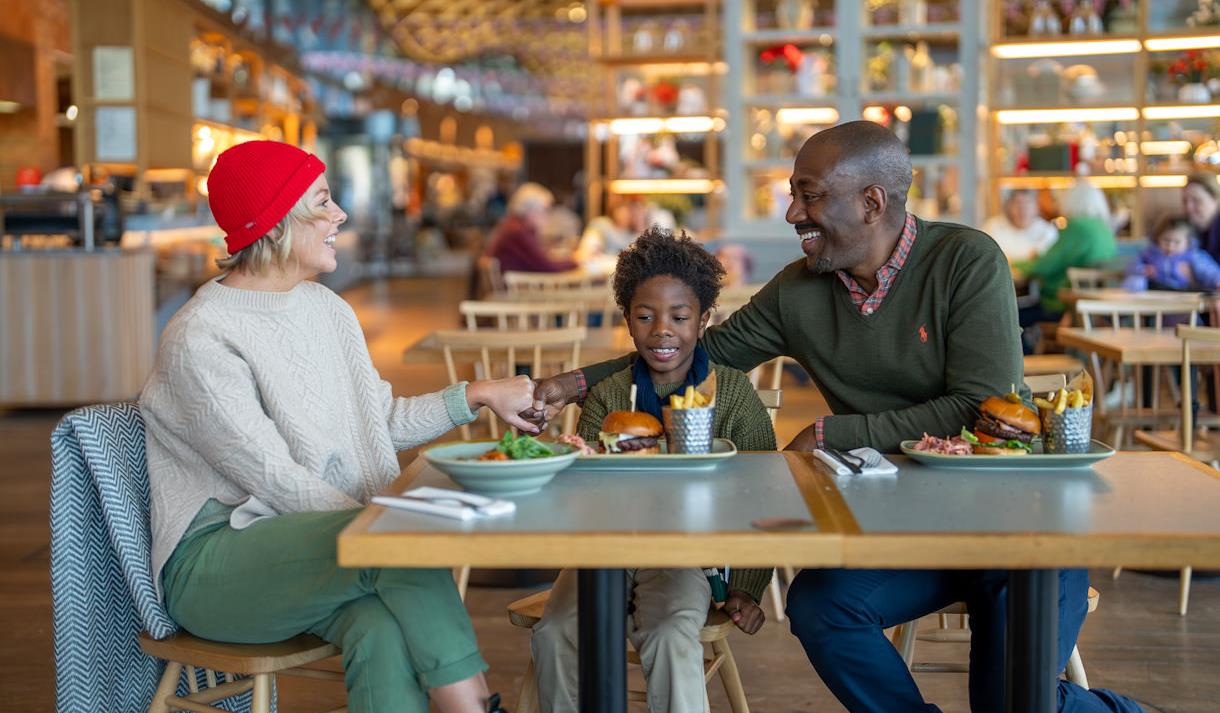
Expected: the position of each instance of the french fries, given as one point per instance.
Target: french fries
(1061, 400)
(702, 396)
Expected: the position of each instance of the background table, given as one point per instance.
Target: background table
(1139, 509)
(599, 345)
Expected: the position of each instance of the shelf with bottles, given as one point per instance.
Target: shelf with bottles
(930, 129)
(910, 15)
(801, 68)
(912, 68)
(624, 32)
(776, 135)
(1066, 19)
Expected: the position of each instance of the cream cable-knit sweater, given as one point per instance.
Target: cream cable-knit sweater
(269, 401)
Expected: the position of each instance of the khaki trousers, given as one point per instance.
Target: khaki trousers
(669, 608)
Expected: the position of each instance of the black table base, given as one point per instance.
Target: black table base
(1030, 675)
(602, 640)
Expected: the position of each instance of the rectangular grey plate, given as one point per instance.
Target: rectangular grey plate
(722, 448)
(1098, 451)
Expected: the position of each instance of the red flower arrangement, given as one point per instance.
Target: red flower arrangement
(1191, 67)
(789, 55)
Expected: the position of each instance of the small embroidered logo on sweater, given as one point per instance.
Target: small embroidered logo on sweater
(923, 333)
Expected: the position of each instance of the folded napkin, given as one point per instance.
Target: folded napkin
(454, 504)
(862, 456)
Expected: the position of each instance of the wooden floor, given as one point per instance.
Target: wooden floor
(1134, 643)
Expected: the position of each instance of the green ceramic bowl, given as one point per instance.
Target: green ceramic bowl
(497, 477)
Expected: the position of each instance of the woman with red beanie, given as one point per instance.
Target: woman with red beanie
(267, 430)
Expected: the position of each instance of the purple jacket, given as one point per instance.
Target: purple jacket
(516, 245)
(1191, 270)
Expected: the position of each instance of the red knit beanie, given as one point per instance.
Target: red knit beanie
(253, 186)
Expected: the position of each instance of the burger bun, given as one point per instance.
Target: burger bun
(633, 423)
(1016, 415)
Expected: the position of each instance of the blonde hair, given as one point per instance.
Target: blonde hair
(274, 248)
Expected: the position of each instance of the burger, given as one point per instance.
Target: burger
(1004, 428)
(630, 432)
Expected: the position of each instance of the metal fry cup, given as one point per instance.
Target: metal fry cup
(688, 430)
(1067, 432)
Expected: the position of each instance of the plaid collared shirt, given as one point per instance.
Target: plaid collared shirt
(885, 276)
(866, 303)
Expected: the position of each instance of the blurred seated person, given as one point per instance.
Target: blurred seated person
(516, 240)
(1087, 240)
(1173, 261)
(1019, 230)
(608, 235)
(561, 227)
(1201, 205)
(737, 264)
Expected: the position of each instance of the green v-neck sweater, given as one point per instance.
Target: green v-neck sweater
(942, 340)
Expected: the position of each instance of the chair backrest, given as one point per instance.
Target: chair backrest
(544, 351)
(594, 309)
(1083, 278)
(518, 282)
(1191, 334)
(1042, 383)
(102, 589)
(1187, 308)
(731, 300)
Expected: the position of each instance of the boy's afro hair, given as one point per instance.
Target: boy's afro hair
(658, 252)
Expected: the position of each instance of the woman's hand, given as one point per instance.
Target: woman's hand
(507, 397)
(744, 612)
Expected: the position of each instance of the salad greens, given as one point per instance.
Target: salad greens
(523, 447)
(1012, 443)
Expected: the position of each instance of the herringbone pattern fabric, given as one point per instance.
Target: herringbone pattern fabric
(101, 585)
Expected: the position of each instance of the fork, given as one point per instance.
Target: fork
(851, 461)
(871, 458)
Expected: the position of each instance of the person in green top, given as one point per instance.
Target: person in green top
(667, 288)
(1087, 240)
(905, 326)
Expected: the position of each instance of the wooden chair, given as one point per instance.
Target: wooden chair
(490, 281)
(1042, 383)
(715, 632)
(1185, 439)
(558, 311)
(1134, 313)
(905, 635)
(259, 662)
(1088, 278)
(1039, 364)
(555, 348)
(520, 282)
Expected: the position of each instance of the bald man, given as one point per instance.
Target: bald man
(906, 326)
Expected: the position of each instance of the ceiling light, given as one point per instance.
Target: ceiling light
(1057, 116)
(1030, 50)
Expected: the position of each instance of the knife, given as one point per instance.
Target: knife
(837, 455)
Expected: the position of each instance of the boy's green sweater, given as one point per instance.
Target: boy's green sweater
(943, 339)
(740, 417)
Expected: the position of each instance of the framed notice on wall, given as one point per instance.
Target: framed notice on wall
(116, 133)
(113, 74)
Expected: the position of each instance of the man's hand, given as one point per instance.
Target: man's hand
(550, 396)
(744, 612)
(806, 440)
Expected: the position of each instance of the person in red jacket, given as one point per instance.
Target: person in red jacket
(515, 241)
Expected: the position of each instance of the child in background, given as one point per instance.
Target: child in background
(1173, 261)
(666, 287)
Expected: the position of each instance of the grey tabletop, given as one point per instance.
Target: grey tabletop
(614, 518)
(1148, 509)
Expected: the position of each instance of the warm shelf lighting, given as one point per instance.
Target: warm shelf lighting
(1031, 50)
(1065, 181)
(1163, 181)
(674, 124)
(1058, 116)
(1163, 44)
(1186, 111)
(807, 115)
(631, 186)
(1165, 148)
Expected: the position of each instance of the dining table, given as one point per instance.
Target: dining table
(786, 508)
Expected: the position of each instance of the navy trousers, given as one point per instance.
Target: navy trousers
(839, 615)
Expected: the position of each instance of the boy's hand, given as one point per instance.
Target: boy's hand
(747, 615)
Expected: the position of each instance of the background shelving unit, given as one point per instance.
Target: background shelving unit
(909, 64)
(1105, 100)
(660, 96)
